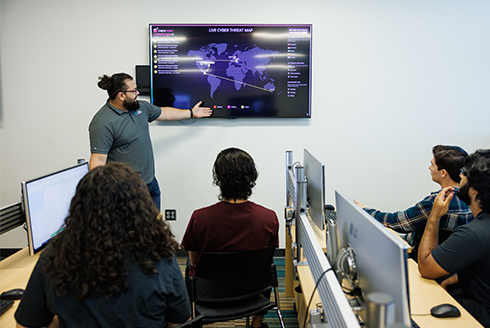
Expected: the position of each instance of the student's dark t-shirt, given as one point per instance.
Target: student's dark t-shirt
(467, 253)
(152, 301)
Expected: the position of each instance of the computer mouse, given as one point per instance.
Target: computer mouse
(445, 311)
(13, 294)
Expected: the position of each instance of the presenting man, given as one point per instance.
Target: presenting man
(444, 170)
(119, 131)
(466, 253)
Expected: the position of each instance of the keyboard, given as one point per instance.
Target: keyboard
(5, 305)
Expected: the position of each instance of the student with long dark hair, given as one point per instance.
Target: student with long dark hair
(113, 265)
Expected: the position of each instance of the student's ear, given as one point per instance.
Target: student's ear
(473, 192)
(444, 173)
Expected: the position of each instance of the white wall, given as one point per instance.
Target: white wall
(391, 79)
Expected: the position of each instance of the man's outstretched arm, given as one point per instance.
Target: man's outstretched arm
(175, 114)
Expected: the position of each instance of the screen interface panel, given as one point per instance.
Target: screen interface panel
(237, 70)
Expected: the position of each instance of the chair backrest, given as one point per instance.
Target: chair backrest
(233, 276)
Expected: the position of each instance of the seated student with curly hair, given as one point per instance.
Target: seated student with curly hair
(234, 223)
(113, 265)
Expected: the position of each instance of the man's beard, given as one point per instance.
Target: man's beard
(464, 195)
(131, 105)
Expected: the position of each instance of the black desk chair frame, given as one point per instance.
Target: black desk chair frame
(230, 285)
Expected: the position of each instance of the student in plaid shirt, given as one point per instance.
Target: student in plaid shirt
(444, 168)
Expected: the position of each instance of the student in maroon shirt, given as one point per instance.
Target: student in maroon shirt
(234, 223)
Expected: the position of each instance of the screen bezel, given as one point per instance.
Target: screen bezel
(25, 200)
(315, 188)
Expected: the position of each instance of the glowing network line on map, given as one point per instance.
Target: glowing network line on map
(213, 61)
(235, 81)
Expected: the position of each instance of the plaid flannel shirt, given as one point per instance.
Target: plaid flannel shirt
(414, 218)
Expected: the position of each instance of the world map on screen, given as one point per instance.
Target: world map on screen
(224, 62)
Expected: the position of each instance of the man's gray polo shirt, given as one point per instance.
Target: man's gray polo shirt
(125, 137)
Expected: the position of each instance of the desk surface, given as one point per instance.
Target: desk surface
(15, 271)
(320, 235)
(425, 294)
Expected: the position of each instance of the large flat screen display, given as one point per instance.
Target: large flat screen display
(237, 70)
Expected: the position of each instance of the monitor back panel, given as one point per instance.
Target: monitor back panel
(381, 256)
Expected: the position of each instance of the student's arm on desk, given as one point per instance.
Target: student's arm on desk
(428, 267)
(450, 281)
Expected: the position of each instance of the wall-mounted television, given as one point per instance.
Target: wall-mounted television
(237, 70)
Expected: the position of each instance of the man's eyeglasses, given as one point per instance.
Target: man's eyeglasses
(463, 171)
(134, 90)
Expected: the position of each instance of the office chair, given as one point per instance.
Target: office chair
(193, 323)
(230, 285)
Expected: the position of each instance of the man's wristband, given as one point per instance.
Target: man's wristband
(192, 114)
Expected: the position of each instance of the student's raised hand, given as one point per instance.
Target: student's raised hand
(441, 202)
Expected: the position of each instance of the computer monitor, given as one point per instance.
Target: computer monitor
(315, 189)
(381, 257)
(47, 202)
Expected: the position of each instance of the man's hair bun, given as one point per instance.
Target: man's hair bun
(105, 82)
